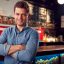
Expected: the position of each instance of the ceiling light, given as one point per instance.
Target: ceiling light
(60, 1)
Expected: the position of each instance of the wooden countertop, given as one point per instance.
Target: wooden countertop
(50, 48)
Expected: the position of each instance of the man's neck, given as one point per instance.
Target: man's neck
(20, 28)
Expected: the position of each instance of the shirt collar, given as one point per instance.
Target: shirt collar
(17, 31)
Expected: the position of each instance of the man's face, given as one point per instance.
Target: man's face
(20, 16)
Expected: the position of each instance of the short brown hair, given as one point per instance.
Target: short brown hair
(21, 4)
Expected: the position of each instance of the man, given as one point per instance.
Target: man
(19, 44)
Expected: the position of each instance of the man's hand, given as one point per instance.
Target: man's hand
(15, 48)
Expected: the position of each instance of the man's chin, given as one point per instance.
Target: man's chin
(20, 24)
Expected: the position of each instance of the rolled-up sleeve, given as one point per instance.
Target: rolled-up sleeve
(29, 53)
(3, 37)
(3, 47)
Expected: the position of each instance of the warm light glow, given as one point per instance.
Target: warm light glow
(61, 1)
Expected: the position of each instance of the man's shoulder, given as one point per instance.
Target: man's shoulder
(9, 28)
(32, 30)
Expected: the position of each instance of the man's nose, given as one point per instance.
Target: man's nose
(20, 17)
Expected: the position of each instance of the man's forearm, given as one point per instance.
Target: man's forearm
(15, 48)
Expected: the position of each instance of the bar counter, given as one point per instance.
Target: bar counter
(50, 48)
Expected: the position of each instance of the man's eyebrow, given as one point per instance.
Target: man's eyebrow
(17, 13)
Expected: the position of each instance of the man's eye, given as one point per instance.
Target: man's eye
(17, 14)
(23, 15)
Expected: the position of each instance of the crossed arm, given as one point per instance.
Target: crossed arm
(6, 49)
(15, 48)
(20, 52)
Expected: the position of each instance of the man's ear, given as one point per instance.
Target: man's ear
(28, 15)
(27, 18)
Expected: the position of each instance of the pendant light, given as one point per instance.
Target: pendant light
(60, 1)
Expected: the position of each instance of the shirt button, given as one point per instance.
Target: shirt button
(18, 35)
